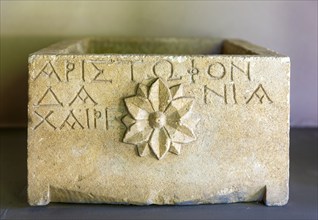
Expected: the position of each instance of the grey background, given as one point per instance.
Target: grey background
(289, 27)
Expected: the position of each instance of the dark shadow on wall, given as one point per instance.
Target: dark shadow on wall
(14, 76)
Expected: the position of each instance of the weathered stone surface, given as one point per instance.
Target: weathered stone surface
(158, 121)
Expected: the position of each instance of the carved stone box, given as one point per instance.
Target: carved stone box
(158, 121)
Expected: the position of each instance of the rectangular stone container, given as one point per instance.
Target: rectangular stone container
(158, 121)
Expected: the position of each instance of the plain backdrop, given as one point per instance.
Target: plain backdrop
(289, 27)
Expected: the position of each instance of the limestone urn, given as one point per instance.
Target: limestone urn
(158, 121)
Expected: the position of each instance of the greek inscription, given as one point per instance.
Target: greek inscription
(69, 67)
(163, 67)
(44, 119)
(71, 121)
(87, 118)
(49, 98)
(48, 70)
(131, 64)
(98, 118)
(259, 94)
(236, 68)
(216, 70)
(106, 119)
(100, 77)
(221, 94)
(193, 71)
(83, 95)
(83, 70)
(132, 78)
(97, 115)
(234, 93)
(227, 94)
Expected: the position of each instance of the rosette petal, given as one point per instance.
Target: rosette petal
(179, 108)
(176, 91)
(138, 107)
(138, 132)
(128, 121)
(180, 133)
(175, 148)
(143, 149)
(159, 143)
(159, 95)
(142, 91)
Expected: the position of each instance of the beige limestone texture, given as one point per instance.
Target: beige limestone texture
(158, 121)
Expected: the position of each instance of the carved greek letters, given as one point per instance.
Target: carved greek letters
(69, 67)
(71, 121)
(131, 66)
(225, 94)
(77, 70)
(77, 107)
(216, 70)
(132, 71)
(106, 119)
(164, 67)
(49, 98)
(44, 119)
(83, 96)
(259, 94)
(49, 71)
(228, 95)
(87, 118)
(74, 119)
(97, 118)
(97, 115)
(132, 78)
(193, 71)
(235, 68)
(99, 77)
(234, 93)
(222, 94)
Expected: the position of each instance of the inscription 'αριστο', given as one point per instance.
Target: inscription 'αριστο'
(163, 68)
